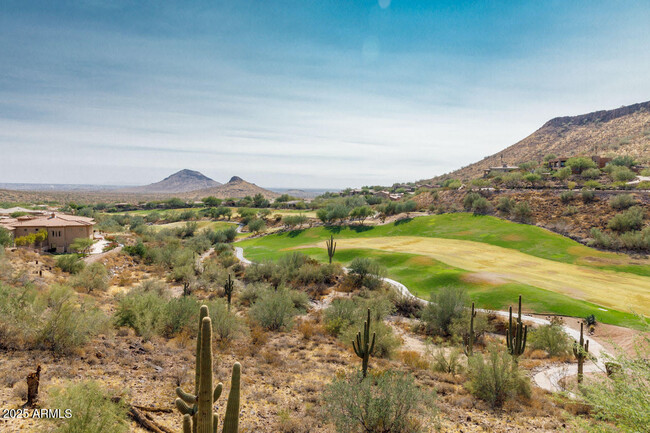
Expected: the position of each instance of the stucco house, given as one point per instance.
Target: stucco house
(61, 229)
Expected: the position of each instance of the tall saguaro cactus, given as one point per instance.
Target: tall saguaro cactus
(580, 351)
(516, 336)
(331, 248)
(199, 417)
(469, 340)
(229, 287)
(364, 347)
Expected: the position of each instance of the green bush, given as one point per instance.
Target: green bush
(387, 403)
(447, 304)
(623, 161)
(93, 277)
(366, 272)
(563, 173)
(496, 378)
(340, 314)
(591, 173)
(567, 196)
(622, 201)
(90, 409)
(604, 240)
(71, 263)
(550, 338)
(140, 310)
(443, 363)
(470, 198)
(226, 324)
(631, 219)
(385, 340)
(274, 309)
(505, 205)
(177, 315)
(521, 212)
(481, 206)
(623, 174)
(55, 319)
(580, 164)
(587, 195)
(6, 239)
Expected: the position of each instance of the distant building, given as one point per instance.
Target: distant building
(558, 163)
(61, 229)
(505, 168)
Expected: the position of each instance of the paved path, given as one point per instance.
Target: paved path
(550, 377)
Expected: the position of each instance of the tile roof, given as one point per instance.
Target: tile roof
(55, 220)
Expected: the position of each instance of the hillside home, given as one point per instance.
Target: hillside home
(558, 163)
(505, 168)
(61, 229)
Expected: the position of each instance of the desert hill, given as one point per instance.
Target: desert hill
(235, 188)
(182, 181)
(622, 131)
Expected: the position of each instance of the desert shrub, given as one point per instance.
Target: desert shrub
(563, 173)
(91, 408)
(635, 240)
(407, 306)
(505, 205)
(274, 310)
(622, 399)
(521, 212)
(622, 174)
(71, 263)
(591, 173)
(593, 184)
(512, 180)
(137, 250)
(470, 198)
(495, 378)
(622, 201)
(317, 274)
(256, 225)
(6, 270)
(92, 277)
(390, 402)
(550, 338)
(340, 314)
(155, 286)
(587, 195)
(5, 238)
(67, 323)
(623, 161)
(141, 311)
(249, 294)
(459, 326)
(567, 196)
(580, 163)
(570, 210)
(481, 206)
(604, 240)
(366, 272)
(226, 324)
(446, 304)
(444, 363)
(631, 219)
(177, 314)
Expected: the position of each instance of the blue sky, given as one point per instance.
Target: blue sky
(300, 93)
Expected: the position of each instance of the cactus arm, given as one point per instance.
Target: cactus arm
(187, 424)
(185, 396)
(372, 345)
(217, 392)
(215, 422)
(231, 421)
(183, 407)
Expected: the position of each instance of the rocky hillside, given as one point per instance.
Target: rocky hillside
(182, 181)
(235, 188)
(623, 131)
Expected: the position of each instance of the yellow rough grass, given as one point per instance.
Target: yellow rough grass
(617, 290)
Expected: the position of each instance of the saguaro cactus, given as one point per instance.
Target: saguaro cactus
(516, 336)
(229, 287)
(331, 248)
(469, 340)
(364, 347)
(199, 417)
(580, 351)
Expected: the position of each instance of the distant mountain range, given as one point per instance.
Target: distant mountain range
(622, 131)
(179, 182)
